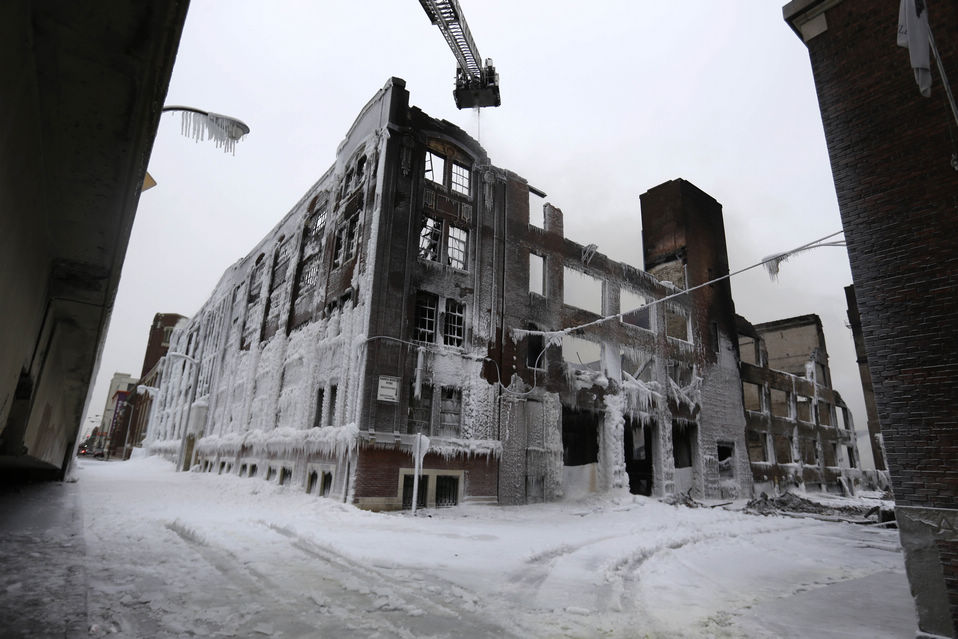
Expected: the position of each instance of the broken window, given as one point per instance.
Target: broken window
(457, 245)
(677, 324)
(419, 414)
(537, 272)
(311, 482)
(454, 330)
(809, 451)
(581, 353)
(831, 453)
(426, 310)
(851, 457)
(681, 373)
(285, 474)
(430, 238)
(780, 406)
(757, 447)
(277, 279)
(637, 364)
(460, 179)
(748, 350)
(783, 448)
(535, 348)
(346, 237)
(634, 309)
(435, 169)
(581, 290)
(803, 408)
(753, 396)
(450, 412)
(536, 209)
(824, 414)
(250, 326)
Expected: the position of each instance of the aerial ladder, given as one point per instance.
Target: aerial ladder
(476, 85)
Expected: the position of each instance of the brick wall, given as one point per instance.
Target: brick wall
(890, 151)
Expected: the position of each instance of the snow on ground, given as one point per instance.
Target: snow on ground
(188, 554)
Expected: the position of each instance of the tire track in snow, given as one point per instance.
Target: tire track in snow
(341, 619)
(417, 595)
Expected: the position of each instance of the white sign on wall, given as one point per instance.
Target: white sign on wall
(388, 389)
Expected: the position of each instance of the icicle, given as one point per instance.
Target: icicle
(224, 131)
(419, 451)
(419, 363)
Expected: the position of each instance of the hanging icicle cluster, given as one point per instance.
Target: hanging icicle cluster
(224, 131)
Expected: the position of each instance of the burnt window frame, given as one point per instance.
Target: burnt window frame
(463, 185)
(425, 327)
(453, 331)
(429, 169)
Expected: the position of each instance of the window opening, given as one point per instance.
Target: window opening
(537, 273)
(536, 210)
(783, 448)
(677, 324)
(346, 236)
(426, 308)
(435, 167)
(681, 373)
(318, 420)
(726, 460)
(460, 179)
(430, 237)
(581, 353)
(447, 491)
(311, 482)
(753, 396)
(327, 485)
(252, 470)
(851, 457)
(757, 449)
(454, 324)
(450, 412)
(803, 408)
(780, 406)
(581, 290)
(270, 473)
(419, 414)
(634, 309)
(457, 245)
(332, 403)
(407, 487)
(748, 350)
(824, 414)
(285, 474)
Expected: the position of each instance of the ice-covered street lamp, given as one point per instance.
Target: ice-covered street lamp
(224, 130)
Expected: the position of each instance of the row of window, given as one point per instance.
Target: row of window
(435, 415)
(780, 405)
(785, 449)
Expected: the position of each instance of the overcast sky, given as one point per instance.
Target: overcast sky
(600, 102)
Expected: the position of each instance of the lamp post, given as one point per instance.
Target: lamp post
(184, 455)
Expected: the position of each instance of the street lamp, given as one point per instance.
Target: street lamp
(224, 130)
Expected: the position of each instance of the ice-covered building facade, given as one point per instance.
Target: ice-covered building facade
(407, 293)
(800, 432)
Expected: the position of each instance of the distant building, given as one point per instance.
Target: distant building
(120, 385)
(128, 433)
(868, 388)
(800, 432)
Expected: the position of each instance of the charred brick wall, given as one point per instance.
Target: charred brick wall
(890, 151)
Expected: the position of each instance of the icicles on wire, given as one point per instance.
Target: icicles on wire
(223, 130)
(773, 263)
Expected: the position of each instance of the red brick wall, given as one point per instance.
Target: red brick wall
(377, 472)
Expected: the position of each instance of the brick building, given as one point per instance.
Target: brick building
(891, 152)
(800, 432)
(128, 433)
(407, 293)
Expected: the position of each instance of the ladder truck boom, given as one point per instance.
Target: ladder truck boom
(477, 84)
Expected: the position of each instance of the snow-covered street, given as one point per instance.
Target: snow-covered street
(186, 554)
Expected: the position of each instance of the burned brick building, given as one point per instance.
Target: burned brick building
(800, 432)
(406, 302)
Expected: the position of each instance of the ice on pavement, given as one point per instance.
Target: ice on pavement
(192, 554)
